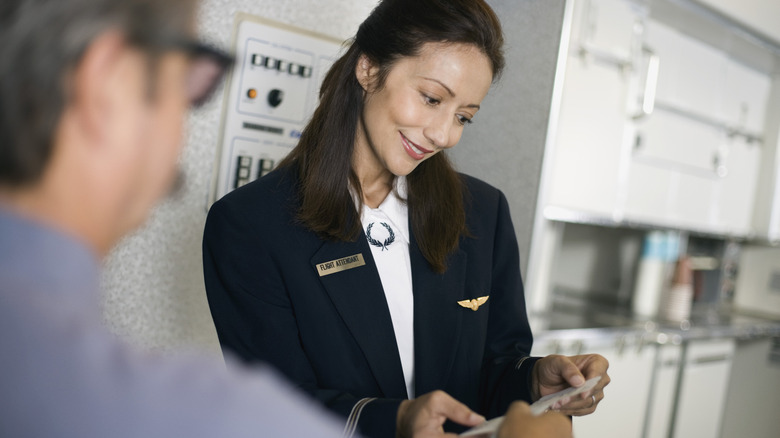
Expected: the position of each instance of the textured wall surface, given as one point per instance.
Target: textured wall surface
(154, 293)
(505, 145)
(155, 296)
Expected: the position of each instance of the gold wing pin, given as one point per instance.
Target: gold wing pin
(473, 304)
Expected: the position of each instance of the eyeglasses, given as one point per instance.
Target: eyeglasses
(207, 69)
(208, 66)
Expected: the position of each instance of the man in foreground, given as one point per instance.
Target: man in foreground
(93, 95)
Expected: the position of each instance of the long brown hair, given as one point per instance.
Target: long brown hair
(323, 156)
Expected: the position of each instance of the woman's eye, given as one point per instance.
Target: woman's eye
(463, 120)
(431, 100)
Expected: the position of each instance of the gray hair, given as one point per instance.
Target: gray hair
(40, 42)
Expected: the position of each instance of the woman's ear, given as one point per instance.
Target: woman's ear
(365, 71)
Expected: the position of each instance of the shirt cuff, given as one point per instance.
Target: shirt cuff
(524, 369)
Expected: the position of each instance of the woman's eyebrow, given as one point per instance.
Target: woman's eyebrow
(449, 91)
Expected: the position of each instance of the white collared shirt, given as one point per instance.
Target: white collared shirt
(387, 228)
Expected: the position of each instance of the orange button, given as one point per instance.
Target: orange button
(251, 93)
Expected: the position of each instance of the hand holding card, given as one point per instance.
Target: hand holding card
(490, 427)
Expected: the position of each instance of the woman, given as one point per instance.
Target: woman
(365, 268)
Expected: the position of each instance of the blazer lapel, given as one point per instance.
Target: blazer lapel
(437, 317)
(358, 296)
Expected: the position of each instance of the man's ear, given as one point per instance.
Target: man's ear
(366, 72)
(93, 93)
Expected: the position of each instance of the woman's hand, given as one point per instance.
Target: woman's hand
(424, 416)
(555, 373)
(520, 423)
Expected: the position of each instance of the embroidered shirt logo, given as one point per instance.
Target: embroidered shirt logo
(387, 242)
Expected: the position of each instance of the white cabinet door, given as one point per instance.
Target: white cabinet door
(622, 412)
(661, 406)
(677, 143)
(672, 173)
(754, 391)
(692, 74)
(606, 27)
(745, 105)
(746, 96)
(589, 139)
(703, 387)
(738, 184)
(591, 133)
(693, 163)
(766, 209)
(695, 160)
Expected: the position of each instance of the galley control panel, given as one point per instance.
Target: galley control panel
(271, 93)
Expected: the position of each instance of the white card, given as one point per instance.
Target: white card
(490, 427)
(543, 404)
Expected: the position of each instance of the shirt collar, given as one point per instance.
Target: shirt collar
(394, 207)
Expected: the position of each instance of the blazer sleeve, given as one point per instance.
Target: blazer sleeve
(507, 366)
(256, 321)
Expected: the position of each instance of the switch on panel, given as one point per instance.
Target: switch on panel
(264, 166)
(243, 169)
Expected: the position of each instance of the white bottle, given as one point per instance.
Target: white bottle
(651, 275)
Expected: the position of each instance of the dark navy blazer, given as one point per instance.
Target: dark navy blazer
(332, 335)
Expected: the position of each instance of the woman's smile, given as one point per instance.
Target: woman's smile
(415, 151)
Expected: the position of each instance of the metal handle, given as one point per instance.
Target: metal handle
(641, 344)
(718, 166)
(620, 345)
(608, 56)
(710, 359)
(651, 83)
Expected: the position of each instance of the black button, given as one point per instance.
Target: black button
(275, 97)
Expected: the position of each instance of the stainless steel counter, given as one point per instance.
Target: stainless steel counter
(602, 322)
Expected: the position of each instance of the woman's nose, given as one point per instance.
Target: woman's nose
(438, 131)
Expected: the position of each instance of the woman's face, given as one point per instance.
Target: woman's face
(423, 107)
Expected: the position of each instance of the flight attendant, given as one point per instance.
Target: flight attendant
(365, 268)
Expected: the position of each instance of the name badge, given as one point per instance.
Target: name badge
(339, 265)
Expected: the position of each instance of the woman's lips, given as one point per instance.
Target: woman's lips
(414, 151)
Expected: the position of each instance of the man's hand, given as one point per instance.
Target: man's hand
(519, 423)
(424, 416)
(555, 373)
